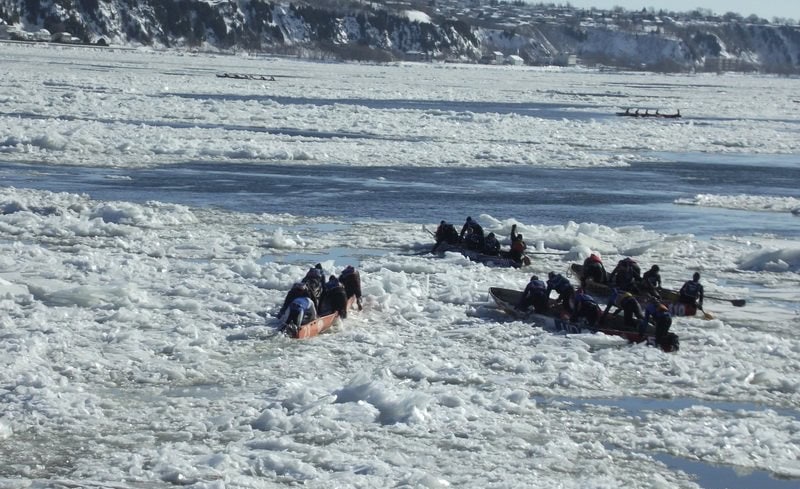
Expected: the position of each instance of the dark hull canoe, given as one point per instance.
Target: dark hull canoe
(668, 297)
(650, 115)
(502, 260)
(558, 320)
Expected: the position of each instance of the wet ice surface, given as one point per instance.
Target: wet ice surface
(554, 196)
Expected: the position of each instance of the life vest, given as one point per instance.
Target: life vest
(691, 289)
(518, 246)
(559, 284)
(537, 287)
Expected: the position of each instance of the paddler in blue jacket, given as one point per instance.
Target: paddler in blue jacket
(661, 317)
(625, 302)
(692, 292)
(301, 311)
(491, 246)
(563, 287)
(535, 294)
(472, 235)
(585, 307)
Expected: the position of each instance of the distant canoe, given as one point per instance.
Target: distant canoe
(647, 113)
(246, 76)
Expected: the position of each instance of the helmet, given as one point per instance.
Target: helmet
(655, 268)
(318, 266)
(534, 277)
(551, 275)
(696, 276)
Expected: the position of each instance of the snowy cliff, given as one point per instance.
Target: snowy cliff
(371, 30)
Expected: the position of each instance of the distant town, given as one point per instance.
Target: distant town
(469, 31)
(517, 13)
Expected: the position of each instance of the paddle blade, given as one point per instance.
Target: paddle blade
(738, 302)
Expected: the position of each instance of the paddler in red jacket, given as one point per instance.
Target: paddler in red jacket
(593, 269)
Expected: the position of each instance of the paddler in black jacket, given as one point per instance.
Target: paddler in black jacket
(445, 233)
(692, 292)
(351, 280)
(334, 297)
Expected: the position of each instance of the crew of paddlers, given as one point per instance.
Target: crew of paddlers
(472, 238)
(626, 289)
(314, 295)
(627, 277)
(646, 113)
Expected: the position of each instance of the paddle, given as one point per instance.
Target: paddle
(706, 315)
(734, 302)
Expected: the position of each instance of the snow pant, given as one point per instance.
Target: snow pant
(565, 297)
(663, 324)
(589, 311)
(631, 309)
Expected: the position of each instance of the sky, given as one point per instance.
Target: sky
(768, 10)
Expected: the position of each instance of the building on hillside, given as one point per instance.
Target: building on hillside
(42, 35)
(64, 37)
(565, 59)
(513, 59)
(416, 56)
(719, 64)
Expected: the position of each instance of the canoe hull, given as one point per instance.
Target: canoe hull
(317, 326)
(668, 297)
(557, 320)
(502, 260)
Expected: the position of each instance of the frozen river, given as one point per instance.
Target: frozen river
(153, 215)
